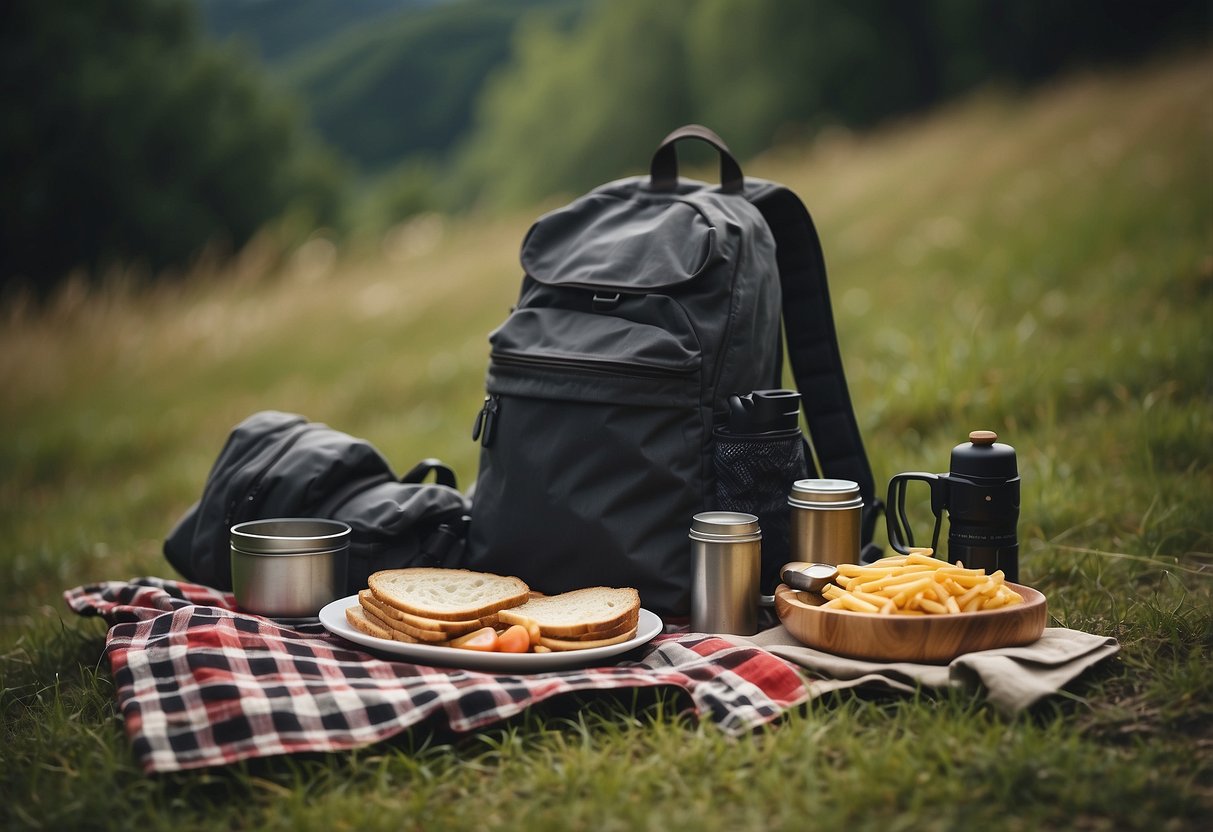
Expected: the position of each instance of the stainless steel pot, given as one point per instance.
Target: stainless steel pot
(289, 566)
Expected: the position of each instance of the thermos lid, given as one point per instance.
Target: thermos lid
(725, 525)
(984, 456)
(824, 491)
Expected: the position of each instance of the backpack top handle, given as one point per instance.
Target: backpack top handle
(663, 170)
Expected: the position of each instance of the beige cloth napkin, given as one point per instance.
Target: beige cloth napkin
(1014, 678)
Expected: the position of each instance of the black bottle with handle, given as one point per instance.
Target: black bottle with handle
(980, 494)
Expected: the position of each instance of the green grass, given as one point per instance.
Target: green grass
(1042, 266)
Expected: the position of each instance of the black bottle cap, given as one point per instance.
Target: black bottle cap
(764, 411)
(983, 456)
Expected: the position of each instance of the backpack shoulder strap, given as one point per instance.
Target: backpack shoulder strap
(813, 351)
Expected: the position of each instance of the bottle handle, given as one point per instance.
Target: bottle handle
(895, 514)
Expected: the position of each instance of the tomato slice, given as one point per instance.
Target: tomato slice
(514, 640)
(484, 640)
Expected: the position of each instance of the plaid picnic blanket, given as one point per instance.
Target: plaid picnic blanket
(199, 684)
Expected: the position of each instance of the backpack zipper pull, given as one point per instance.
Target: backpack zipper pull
(485, 421)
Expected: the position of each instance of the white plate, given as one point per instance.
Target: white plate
(333, 619)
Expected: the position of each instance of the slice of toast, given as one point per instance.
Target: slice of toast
(361, 621)
(407, 620)
(581, 612)
(563, 645)
(376, 614)
(447, 594)
(628, 623)
(432, 631)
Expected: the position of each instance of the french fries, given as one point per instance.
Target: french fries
(917, 584)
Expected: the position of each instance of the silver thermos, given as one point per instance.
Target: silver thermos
(825, 521)
(726, 556)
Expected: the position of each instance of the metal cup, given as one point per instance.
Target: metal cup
(825, 521)
(290, 566)
(726, 558)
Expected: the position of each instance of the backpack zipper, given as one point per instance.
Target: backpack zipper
(486, 420)
(597, 366)
(254, 487)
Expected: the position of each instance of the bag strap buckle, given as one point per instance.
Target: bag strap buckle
(605, 302)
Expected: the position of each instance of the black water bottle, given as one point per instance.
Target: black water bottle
(759, 452)
(980, 494)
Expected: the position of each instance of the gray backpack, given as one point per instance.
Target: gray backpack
(645, 305)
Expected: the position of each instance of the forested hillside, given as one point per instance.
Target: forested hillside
(384, 81)
(765, 71)
(275, 30)
(407, 86)
(520, 98)
(140, 135)
(130, 143)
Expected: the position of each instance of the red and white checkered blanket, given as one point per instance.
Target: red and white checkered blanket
(199, 684)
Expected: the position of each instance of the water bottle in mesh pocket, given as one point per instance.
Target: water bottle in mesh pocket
(754, 474)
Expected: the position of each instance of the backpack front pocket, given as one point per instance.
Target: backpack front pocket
(593, 442)
(605, 241)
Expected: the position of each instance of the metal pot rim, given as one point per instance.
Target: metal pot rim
(289, 536)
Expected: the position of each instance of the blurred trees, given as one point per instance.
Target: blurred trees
(277, 30)
(576, 108)
(579, 107)
(406, 85)
(127, 137)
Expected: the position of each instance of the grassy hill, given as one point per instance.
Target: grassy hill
(1041, 266)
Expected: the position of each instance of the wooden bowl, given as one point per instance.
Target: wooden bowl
(910, 638)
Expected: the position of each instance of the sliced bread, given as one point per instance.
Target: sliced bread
(580, 612)
(447, 594)
(628, 623)
(376, 613)
(362, 621)
(558, 645)
(420, 622)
